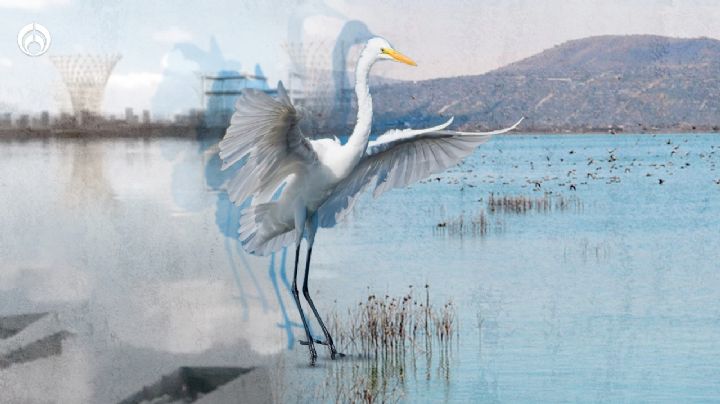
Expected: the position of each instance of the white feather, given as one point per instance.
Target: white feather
(264, 138)
(399, 158)
(322, 179)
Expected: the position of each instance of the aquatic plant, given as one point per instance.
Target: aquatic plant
(471, 226)
(390, 327)
(481, 223)
(524, 204)
(388, 335)
(358, 384)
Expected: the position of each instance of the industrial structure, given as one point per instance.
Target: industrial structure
(220, 91)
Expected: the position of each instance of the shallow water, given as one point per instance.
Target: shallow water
(612, 298)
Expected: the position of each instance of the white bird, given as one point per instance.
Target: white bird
(296, 184)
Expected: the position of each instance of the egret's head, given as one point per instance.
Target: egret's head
(382, 50)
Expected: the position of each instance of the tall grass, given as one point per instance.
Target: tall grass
(524, 204)
(477, 225)
(389, 335)
(489, 220)
(391, 327)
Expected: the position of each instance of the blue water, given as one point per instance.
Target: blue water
(613, 299)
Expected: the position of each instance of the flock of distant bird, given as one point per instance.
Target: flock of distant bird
(610, 164)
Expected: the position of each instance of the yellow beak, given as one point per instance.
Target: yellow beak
(399, 57)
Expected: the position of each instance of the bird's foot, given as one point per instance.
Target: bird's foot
(316, 341)
(313, 353)
(336, 355)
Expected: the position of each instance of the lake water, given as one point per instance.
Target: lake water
(611, 294)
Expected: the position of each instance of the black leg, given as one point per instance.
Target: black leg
(296, 295)
(306, 293)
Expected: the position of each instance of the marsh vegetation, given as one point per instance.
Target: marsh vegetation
(489, 219)
(389, 339)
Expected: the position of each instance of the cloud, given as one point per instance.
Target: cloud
(5, 62)
(133, 89)
(132, 81)
(175, 62)
(172, 35)
(323, 27)
(32, 4)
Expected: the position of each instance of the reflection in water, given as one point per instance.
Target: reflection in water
(227, 222)
(227, 217)
(287, 325)
(197, 173)
(388, 338)
(89, 233)
(87, 184)
(573, 303)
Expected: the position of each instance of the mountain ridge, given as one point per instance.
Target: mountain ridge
(631, 83)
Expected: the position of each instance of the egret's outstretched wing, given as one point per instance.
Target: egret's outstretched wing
(264, 138)
(399, 158)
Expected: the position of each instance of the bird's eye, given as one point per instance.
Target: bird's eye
(383, 50)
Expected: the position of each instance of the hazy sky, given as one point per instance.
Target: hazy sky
(446, 38)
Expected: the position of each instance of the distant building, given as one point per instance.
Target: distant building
(88, 118)
(23, 122)
(146, 116)
(6, 120)
(66, 121)
(130, 116)
(44, 119)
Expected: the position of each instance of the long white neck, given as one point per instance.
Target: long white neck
(358, 141)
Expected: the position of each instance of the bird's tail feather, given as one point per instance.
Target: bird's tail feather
(259, 236)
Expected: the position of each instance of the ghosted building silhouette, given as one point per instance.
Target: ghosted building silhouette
(320, 77)
(221, 89)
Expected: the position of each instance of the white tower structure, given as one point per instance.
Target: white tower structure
(85, 77)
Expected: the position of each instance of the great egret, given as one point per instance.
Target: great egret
(319, 181)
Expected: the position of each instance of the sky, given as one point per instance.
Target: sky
(447, 38)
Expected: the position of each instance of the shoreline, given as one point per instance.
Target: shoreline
(195, 132)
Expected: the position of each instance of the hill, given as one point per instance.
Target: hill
(629, 83)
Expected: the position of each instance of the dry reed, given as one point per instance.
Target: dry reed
(461, 226)
(524, 204)
(390, 327)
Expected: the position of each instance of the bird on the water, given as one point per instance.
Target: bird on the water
(295, 184)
